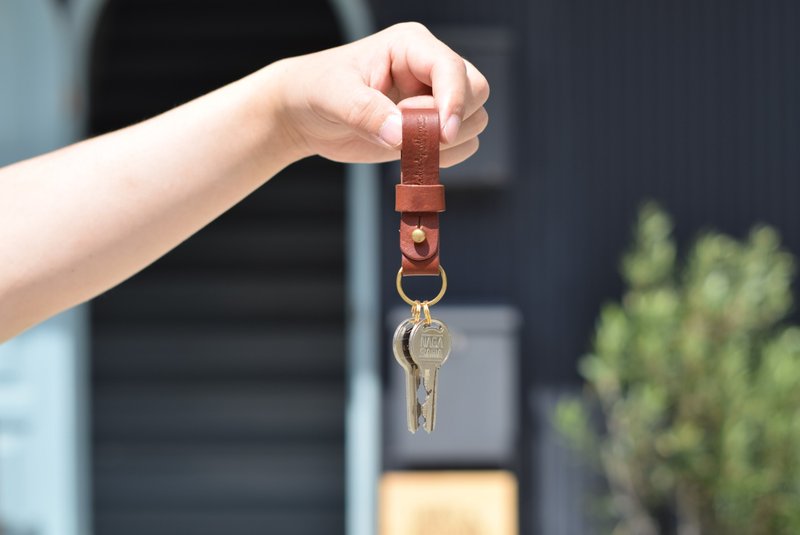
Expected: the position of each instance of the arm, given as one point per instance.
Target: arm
(79, 220)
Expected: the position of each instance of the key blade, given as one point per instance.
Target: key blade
(428, 415)
(412, 405)
(410, 371)
(430, 380)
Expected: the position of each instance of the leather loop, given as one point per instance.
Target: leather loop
(419, 160)
(419, 197)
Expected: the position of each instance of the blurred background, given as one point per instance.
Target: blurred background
(227, 389)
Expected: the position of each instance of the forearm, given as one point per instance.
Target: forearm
(75, 222)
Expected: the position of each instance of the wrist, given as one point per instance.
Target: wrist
(270, 86)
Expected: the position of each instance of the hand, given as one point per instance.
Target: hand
(344, 103)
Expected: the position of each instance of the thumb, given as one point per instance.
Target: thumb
(375, 117)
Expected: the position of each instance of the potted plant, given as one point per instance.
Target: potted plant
(696, 381)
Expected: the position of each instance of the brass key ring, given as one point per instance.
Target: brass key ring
(426, 309)
(414, 303)
(416, 311)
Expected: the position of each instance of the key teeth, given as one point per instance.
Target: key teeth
(414, 428)
(427, 415)
(428, 427)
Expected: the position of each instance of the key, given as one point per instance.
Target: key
(400, 348)
(429, 347)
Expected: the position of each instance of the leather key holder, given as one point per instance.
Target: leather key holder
(420, 197)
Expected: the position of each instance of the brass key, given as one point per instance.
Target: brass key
(401, 355)
(429, 346)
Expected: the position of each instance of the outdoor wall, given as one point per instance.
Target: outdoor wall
(596, 106)
(691, 103)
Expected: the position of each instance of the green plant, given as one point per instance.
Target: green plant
(698, 384)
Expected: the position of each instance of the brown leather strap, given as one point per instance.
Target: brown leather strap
(419, 197)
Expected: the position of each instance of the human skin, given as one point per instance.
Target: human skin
(77, 221)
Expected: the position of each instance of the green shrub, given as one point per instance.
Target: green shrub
(698, 384)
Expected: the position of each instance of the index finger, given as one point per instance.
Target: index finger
(435, 64)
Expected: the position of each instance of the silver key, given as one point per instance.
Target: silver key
(400, 348)
(429, 346)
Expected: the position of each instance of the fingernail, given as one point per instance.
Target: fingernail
(391, 131)
(451, 128)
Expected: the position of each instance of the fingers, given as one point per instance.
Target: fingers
(458, 87)
(472, 127)
(434, 64)
(447, 157)
(371, 111)
(465, 143)
(373, 115)
(449, 83)
(420, 101)
(478, 89)
(475, 122)
(459, 153)
(411, 63)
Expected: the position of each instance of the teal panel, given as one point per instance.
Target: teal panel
(43, 487)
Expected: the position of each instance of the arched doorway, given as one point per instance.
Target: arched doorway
(218, 373)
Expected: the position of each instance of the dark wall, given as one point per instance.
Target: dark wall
(693, 103)
(218, 372)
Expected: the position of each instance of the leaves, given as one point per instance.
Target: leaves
(699, 384)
